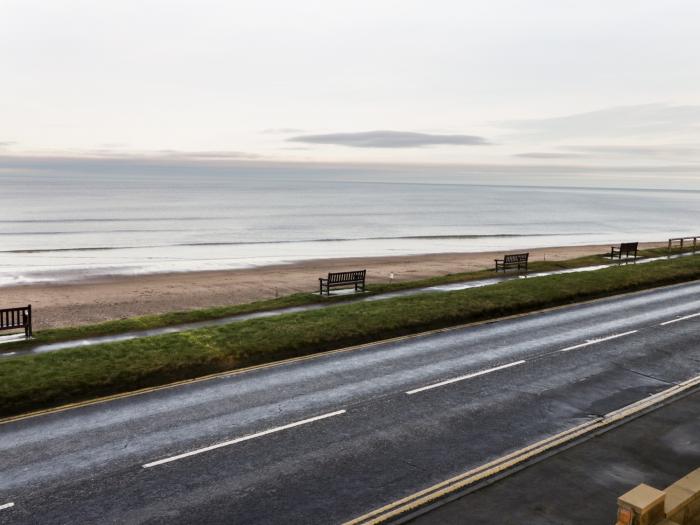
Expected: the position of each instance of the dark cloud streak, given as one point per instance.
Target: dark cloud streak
(390, 139)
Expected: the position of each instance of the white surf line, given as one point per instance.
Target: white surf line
(462, 378)
(590, 342)
(7, 506)
(680, 319)
(241, 439)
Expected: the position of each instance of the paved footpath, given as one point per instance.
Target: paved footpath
(580, 485)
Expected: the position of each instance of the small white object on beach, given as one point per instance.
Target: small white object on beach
(391, 276)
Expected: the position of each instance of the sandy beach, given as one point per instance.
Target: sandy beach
(95, 300)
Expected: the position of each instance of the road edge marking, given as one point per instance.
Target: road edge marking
(472, 476)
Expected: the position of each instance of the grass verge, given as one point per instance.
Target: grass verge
(55, 335)
(32, 382)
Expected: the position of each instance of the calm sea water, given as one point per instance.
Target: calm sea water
(63, 227)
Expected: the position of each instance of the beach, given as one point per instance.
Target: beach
(105, 298)
(106, 246)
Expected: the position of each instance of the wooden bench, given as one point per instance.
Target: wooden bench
(16, 318)
(628, 249)
(339, 279)
(679, 241)
(513, 260)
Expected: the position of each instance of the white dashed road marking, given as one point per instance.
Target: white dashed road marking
(241, 439)
(596, 341)
(680, 319)
(462, 378)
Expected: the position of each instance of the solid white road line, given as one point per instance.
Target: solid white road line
(680, 319)
(7, 506)
(241, 439)
(462, 378)
(590, 342)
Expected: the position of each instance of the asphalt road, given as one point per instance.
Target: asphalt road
(327, 439)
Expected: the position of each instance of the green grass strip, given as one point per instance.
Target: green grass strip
(54, 335)
(32, 382)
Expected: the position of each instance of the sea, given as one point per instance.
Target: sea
(66, 227)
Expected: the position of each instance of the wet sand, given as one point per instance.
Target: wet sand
(95, 300)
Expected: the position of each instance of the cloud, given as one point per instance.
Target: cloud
(210, 155)
(164, 155)
(548, 155)
(660, 150)
(641, 151)
(4, 144)
(543, 173)
(620, 121)
(281, 131)
(390, 139)
(128, 162)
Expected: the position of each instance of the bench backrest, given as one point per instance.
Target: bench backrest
(627, 247)
(14, 317)
(515, 258)
(346, 277)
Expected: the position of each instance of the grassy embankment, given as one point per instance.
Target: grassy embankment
(51, 379)
(54, 335)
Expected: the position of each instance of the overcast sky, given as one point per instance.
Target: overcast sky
(519, 82)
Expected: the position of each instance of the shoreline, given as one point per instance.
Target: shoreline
(97, 299)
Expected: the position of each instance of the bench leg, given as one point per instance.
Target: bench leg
(28, 323)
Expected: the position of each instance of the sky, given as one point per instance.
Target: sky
(594, 85)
